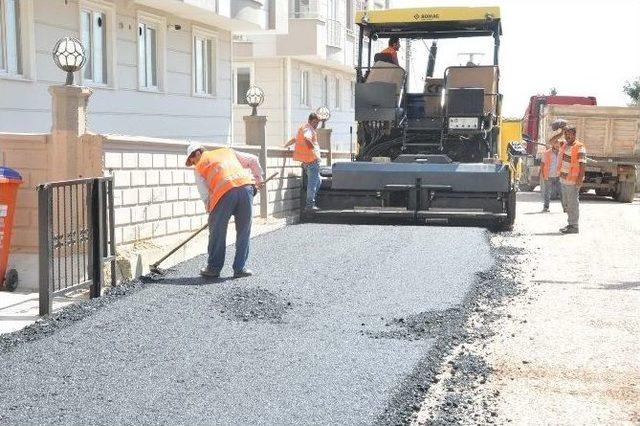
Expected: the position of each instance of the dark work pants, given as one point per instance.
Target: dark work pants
(238, 202)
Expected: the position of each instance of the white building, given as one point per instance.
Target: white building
(158, 68)
(310, 66)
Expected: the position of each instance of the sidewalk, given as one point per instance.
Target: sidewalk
(19, 309)
(569, 351)
(562, 345)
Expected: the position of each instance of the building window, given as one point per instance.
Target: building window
(301, 8)
(94, 39)
(204, 54)
(332, 9)
(243, 79)
(349, 14)
(148, 55)
(151, 56)
(305, 88)
(338, 94)
(325, 91)
(10, 43)
(272, 15)
(352, 94)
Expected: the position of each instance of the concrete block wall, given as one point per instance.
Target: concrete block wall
(155, 195)
(284, 192)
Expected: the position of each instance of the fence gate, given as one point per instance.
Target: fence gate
(76, 237)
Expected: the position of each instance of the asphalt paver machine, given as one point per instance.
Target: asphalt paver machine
(425, 156)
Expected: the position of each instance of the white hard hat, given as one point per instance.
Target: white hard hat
(193, 147)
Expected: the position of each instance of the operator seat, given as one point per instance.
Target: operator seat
(485, 77)
(386, 72)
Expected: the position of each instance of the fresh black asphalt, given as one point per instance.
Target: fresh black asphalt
(315, 337)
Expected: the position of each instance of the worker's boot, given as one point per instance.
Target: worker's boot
(209, 272)
(571, 229)
(545, 210)
(246, 272)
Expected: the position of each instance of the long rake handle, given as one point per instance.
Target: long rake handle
(195, 234)
(155, 265)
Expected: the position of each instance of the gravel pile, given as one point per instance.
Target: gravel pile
(252, 304)
(424, 325)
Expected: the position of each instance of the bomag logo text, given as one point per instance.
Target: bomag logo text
(426, 16)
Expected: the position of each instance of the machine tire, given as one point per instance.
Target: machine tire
(11, 280)
(507, 224)
(625, 191)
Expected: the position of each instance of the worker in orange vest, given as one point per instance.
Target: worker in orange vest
(226, 181)
(392, 49)
(549, 176)
(571, 168)
(307, 151)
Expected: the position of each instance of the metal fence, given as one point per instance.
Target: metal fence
(76, 237)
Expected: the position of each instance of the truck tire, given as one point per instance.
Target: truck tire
(603, 192)
(625, 191)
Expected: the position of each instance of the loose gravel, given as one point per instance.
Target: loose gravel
(460, 394)
(341, 324)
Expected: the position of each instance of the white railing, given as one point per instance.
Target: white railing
(335, 37)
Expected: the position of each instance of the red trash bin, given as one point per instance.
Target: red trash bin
(10, 180)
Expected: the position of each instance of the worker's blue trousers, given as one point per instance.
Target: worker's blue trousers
(313, 182)
(237, 203)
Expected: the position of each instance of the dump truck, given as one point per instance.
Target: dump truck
(611, 136)
(530, 174)
(431, 155)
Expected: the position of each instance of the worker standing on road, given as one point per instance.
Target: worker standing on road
(307, 151)
(549, 172)
(571, 167)
(392, 49)
(226, 180)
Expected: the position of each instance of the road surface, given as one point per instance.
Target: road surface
(332, 327)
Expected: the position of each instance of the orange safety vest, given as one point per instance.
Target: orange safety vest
(223, 172)
(574, 168)
(394, 54)
(303, 152)
(546, 164)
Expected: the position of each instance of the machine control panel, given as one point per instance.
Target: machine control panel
(463, 123)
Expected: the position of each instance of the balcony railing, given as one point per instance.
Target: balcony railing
(335, 36)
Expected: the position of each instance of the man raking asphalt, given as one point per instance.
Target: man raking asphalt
(227, 181)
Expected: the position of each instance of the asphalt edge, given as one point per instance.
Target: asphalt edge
(490, 290)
